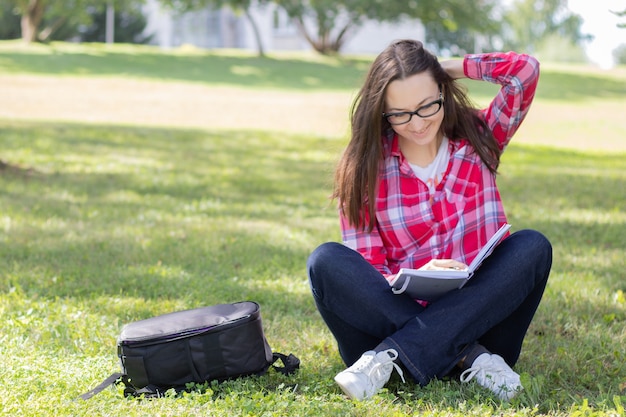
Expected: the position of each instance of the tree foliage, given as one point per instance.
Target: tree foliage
(453, 25)
(33, 12)
(328, 24)
(460, 30)
(238, 6)
(40, 19)
(619, 54)
(528, 22)
(325, 24)
(621, 14)
(128, 27)
(9, 22)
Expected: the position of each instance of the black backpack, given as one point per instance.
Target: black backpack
(213, 343)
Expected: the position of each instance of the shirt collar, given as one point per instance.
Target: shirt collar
(393, 144)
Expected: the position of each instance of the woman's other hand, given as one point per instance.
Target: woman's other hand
(443, 264)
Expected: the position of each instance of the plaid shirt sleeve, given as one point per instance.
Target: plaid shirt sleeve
(370, 245)
(518, 74)
(414, 227)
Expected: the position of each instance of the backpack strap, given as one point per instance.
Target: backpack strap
(149, 391)
(290, 365)
(104, 384)
(290, 362)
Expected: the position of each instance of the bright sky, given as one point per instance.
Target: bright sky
(600, 22)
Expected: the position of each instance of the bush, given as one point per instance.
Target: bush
(619, 54)
(129, 27)
(556, 48)
(9, 22)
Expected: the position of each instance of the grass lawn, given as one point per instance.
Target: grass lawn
(139, 182)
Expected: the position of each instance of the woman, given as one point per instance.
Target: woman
(416, 189)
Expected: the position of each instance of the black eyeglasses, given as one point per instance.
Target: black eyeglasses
(426, 110)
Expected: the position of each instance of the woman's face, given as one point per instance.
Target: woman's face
(418, 92)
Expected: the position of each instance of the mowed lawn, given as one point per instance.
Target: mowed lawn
(136, 182)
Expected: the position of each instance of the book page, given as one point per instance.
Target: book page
(426, 288)
(422, 283)
(488, 248)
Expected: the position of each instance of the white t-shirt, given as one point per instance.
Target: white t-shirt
(433, 173)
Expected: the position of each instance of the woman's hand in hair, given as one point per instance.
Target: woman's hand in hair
(454, 68)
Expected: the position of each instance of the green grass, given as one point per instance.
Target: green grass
(285, 71)
(101, 225)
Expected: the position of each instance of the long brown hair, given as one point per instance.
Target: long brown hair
(356, 176)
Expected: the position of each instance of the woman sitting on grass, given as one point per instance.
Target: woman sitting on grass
(416, 189)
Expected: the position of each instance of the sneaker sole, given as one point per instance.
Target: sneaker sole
(346, 388)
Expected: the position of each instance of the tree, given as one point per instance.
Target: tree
(238, 6)
(40, 19)
(619, 54)
(327, 24)
(621, 14)
(128, 27)
(9, 22)
(529, 22)
(461, 30)
(32, 13)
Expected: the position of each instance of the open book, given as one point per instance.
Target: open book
(428, 285)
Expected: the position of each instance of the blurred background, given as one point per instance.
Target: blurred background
(579, 31)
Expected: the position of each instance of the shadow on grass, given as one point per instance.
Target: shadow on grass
(229, 215)
(577, 200)
(237, 69)
(202, 67)
(15, 170)
(162, 214)
(575, 343)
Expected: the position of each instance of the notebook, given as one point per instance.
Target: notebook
(429, 285)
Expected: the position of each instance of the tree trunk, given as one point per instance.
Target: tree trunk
(257, 34)
(45, 34)
(31, 18)
(324, 43)
(110, 23)
(299, 22)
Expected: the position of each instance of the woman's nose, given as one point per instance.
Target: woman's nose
(416, 121)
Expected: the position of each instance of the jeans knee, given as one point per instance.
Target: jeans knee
(319, 262)
(537, 241)
(536, 247)
(322, 255)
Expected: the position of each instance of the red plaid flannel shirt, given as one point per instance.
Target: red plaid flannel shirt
(466, 210)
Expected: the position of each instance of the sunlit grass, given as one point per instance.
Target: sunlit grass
(106, 227)
(104, 223)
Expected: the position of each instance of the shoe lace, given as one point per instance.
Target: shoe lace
(488, 373)
(376, 369)
(470, 373)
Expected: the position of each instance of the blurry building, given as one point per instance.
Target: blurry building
(223, 28)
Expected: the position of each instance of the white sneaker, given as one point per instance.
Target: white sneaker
(492, 372)
(369, 374)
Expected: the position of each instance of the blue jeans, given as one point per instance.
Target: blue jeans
(494, 309)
